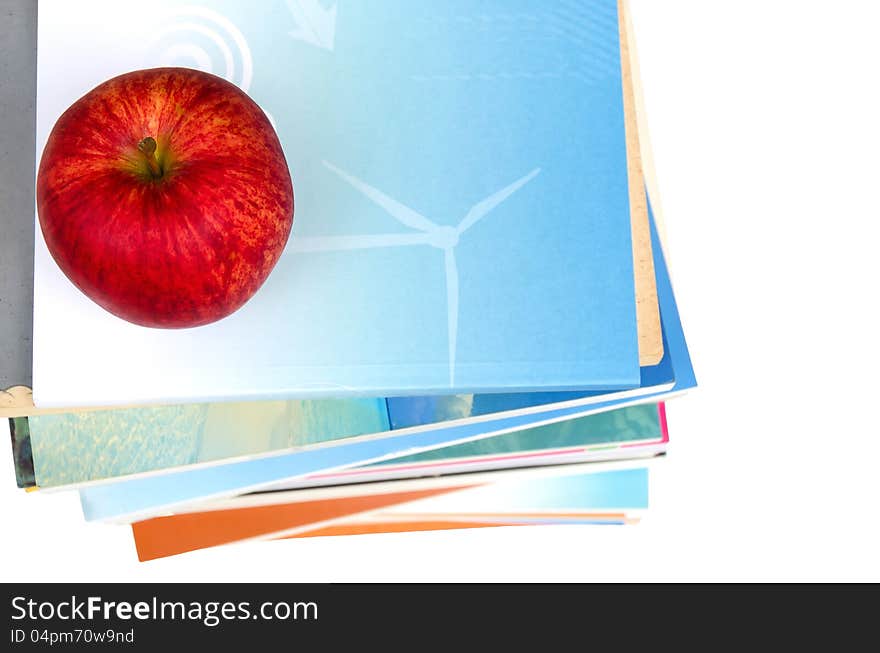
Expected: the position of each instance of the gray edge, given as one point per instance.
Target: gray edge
(18, 82)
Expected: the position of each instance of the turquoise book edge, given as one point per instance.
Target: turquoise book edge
(625, 488)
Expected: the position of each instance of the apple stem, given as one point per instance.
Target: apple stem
(147, 147)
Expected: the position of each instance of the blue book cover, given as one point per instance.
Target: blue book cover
(461, 206)
(146, 495)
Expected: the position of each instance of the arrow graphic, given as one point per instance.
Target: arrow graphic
(427, 233)
(315, 24)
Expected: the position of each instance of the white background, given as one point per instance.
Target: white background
(763, 115)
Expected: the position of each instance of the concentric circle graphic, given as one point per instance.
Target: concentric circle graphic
(201, 38)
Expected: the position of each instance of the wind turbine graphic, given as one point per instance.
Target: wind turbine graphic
(315, 24)
(426, 232)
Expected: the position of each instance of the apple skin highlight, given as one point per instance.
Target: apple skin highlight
(165, 197)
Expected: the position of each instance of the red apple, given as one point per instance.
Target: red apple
(165, 197)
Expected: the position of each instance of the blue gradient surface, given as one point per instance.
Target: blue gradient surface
(462, 213)
(140, 495)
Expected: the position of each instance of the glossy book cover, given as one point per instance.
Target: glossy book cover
(461, 219)
(72, 448)
(149, 495)
(596, 493)
(107, 444)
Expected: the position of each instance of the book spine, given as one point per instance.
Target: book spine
(17, 209)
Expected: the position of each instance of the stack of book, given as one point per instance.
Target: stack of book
(470, 323)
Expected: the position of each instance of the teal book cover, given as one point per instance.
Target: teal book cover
(461, 216)
(71, 448)
(79, 447)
